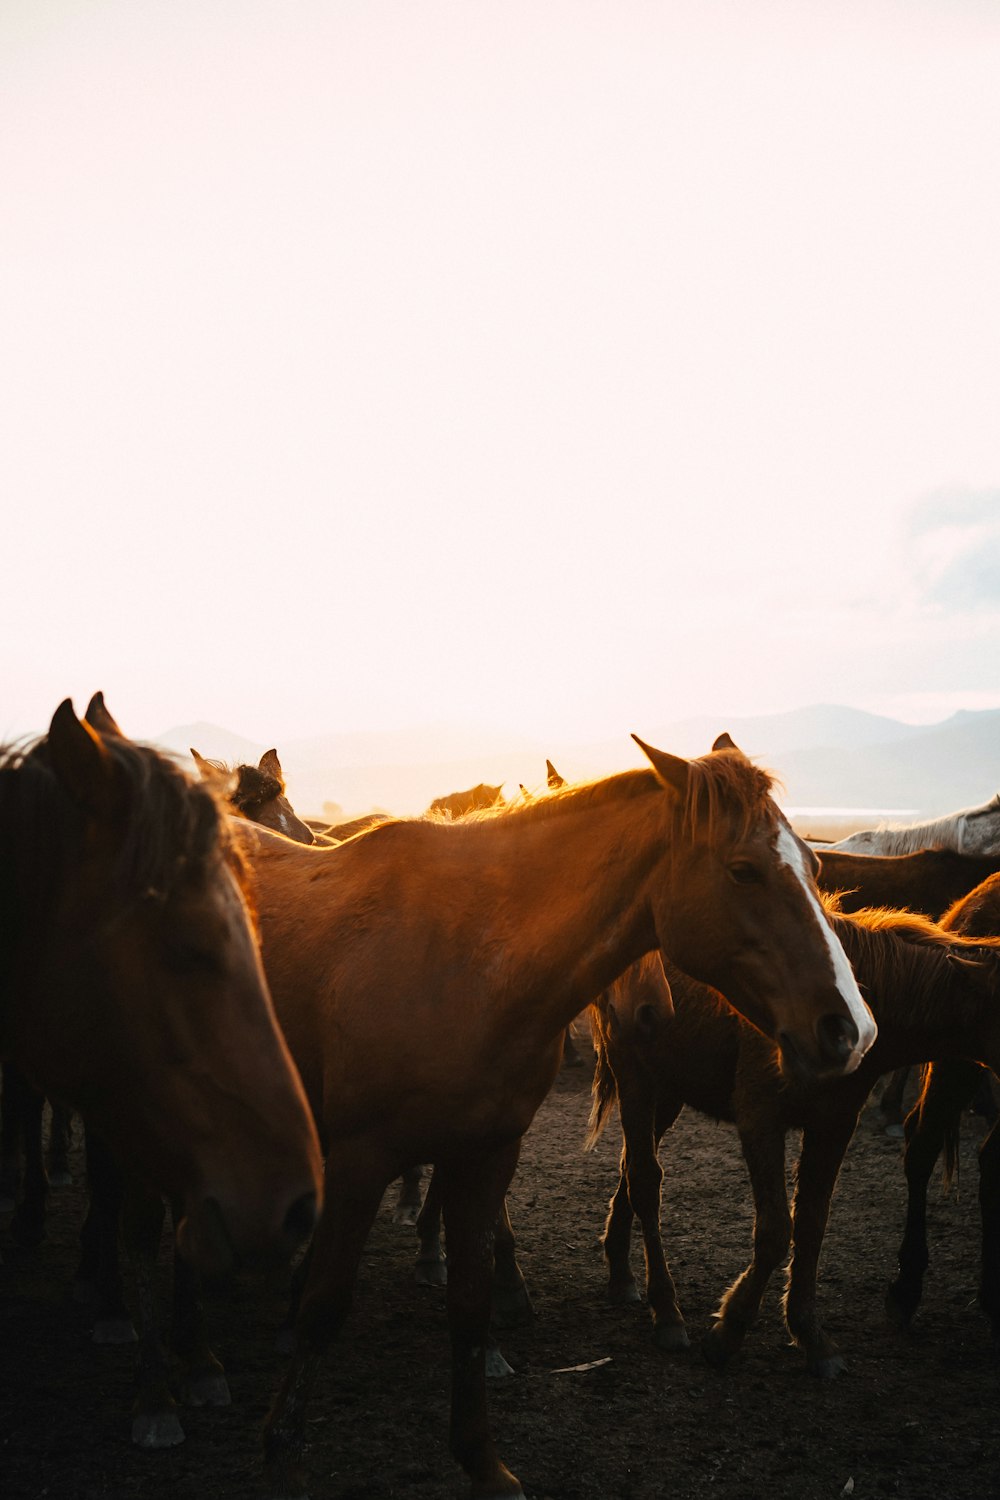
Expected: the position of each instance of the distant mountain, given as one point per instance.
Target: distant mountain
(937, 768)
(825, 755)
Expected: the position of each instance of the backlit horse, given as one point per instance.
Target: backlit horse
(971, 830)
(934, 995)
(932, 1126)
(131, 986)
(258, 793)
(424, 973)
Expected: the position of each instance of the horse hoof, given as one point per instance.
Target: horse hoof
(60, 1177)
(895, 1132)
(827, 1368)
(209, 1388)
(497, 1367)
(623, 1293)
(432, 1273)
(406, 1213)
(157, 1429)
(115, 1331)
(670, 1337)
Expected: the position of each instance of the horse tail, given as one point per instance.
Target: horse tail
(603, 1090)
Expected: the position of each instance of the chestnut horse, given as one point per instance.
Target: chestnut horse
(424, 973)
(131, 986)
(933, 995)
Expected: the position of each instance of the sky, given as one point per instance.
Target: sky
(560, 367)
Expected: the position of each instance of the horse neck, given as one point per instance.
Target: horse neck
(573, 899)
(925, 1007)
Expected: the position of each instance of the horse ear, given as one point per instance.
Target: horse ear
(671, 769)
(552, 777)
(270, 763)
(80, 762)
(99, 717)
(204, 766)
(725, 742)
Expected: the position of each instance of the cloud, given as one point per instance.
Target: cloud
(953, 537)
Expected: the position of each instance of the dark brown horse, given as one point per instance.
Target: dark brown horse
(932, 1126)
(927, 881)
(258, 793)
(424, 973)
(131, 986)
(933, 994)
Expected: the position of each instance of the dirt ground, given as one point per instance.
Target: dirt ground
(914, 1416)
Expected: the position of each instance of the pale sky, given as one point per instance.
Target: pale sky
(564, 367)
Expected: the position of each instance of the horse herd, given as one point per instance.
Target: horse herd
(269, 1022)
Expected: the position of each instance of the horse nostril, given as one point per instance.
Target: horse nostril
(300, 1220)
(837, 1036)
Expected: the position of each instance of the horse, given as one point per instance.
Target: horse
(257, 793)
(424, 972)
(131, 986)
(934, 994)
(460, 804)
(932, 1126)
(971, 830)
(927, 881)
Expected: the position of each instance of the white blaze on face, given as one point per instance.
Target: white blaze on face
(791, 855)
(285, 828)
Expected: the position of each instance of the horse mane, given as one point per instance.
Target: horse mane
(167, 825)
(935, 833)
(721, 788)
(908, 963)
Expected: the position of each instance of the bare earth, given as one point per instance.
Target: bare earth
(914, 1416)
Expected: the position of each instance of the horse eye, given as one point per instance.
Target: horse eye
(742, 872)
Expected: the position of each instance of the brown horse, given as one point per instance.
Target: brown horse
(932, 1126)
(132, 989)
(258, 793)
(934, 995)
(926, 881)
(424, 973)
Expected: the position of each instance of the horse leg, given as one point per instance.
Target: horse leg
(352, 1197)
(764, 1151)
(432, 1264)
(60, 1139)
(815, 1179)
(947, 1090)
(891, 1103)
(408, 1203)
(473, 1194)
(511, 1303)
(10, 1138)
(155, 1423)
(28, 1223)
(205, 1381)
(284, 1342)
(98, 1276)
(644, 1177)
(989, 1206)
(617, 1240)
